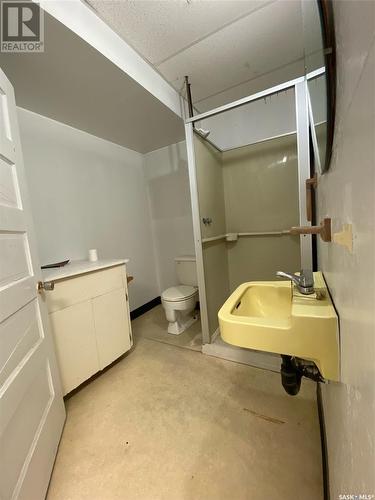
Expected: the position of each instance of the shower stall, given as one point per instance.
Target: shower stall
(248, 164)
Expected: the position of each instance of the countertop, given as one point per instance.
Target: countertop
(76, 267)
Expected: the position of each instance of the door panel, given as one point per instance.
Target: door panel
(18, 335)
(30, 396)
(13, 251)
(9, 196)
(16, 295)
(31, 406)
(7, 147)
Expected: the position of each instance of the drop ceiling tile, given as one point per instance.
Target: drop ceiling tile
(160, 29)
(266, 81)
(267, 40)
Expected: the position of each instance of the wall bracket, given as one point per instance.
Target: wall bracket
(324, 229)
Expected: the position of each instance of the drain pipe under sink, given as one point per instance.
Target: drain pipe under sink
(293, 369)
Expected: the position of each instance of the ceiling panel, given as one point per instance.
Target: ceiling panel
(252, 86)
(73, 83)
(226, 47)
(253, 46)
(161, 29)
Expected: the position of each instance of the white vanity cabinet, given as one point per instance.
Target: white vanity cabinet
(89, 316)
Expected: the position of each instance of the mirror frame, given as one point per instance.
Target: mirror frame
(329, 45)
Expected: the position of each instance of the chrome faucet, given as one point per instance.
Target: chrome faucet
(304, 281)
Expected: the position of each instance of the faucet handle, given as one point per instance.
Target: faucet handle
(289, 276)
(306, 278)
(304, 281)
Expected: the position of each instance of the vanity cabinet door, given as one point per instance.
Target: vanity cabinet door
(74, 335)
(111, 326)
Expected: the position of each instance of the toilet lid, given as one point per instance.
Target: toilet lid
(179, 292)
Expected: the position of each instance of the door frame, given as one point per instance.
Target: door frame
(197, 231)
(303, 154)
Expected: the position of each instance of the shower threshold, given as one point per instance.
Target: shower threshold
(220, 349)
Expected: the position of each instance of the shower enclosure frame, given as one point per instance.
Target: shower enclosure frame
(303, 161)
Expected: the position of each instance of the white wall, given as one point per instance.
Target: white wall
(88, 193)
(347, 193)
(167, 178)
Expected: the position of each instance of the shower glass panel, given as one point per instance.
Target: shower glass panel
(248, 193)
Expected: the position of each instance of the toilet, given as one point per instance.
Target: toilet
(179, 301)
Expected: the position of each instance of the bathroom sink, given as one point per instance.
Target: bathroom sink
(273, 316)
(269, 300)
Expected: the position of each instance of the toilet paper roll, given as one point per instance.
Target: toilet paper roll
(93, 255)
(232, 237)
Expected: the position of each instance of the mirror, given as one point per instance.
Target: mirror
(317, 95)
(320, 71)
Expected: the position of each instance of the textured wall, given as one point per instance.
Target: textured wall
(346, 193)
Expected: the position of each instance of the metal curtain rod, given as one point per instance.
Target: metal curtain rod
(189, 99)
(315, 73)
(280, 136)
(245, 100)
(260, 141)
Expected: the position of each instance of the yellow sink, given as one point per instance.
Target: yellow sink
(273, 316)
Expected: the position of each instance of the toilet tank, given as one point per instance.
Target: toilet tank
(186, 270)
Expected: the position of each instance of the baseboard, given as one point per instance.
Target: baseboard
(323, 438)
(146, 307)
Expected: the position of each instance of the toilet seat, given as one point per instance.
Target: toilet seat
(178, 293)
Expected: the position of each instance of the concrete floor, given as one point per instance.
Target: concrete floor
(171, 423)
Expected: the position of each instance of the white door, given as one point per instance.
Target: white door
(32, 411)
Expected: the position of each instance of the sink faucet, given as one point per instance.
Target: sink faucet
(304, 281)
